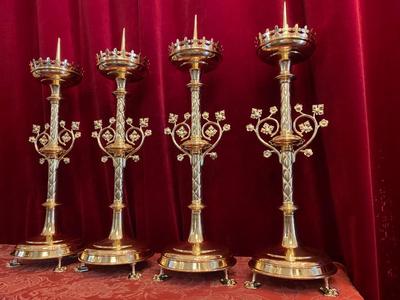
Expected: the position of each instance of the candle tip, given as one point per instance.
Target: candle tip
(123, 40)
(285, 23)
(58, 53)
(195, 28)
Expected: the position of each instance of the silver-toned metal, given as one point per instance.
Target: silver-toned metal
(286, 138)
(120, 141)
(196, 141)
(327, 290)
(53, 144)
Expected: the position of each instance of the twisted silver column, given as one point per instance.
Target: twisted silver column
(196, 228)
(49, 224)
(289, 239)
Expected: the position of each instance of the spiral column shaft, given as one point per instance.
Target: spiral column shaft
(49, 227)
(196, 228)
(119, 162)
(289, 239)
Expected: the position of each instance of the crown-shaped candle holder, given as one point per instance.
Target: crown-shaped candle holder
(286, 138)
(53, 142)
(120, 140)
(196, 141)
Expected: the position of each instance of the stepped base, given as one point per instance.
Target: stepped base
(39, 249)
(108, 252)
(196, 258)
(297, 264)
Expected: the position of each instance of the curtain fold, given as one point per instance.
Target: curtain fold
(347, 192)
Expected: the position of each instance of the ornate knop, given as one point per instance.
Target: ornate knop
(54, 149)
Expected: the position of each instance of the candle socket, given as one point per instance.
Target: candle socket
(285, 46)
(120, 140)
(196, 141)
(53, 142)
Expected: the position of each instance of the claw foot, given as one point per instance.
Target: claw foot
(81, 268)
(252, 285)
(60, 269)
(327, 290)
(160, 277)
(134, 276)
(228, 281)
(14, 263)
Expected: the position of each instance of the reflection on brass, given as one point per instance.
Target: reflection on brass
(196, 141)
(120, 141)
(53, 142)
(286, 138)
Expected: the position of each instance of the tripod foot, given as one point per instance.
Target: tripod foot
(160, 276)
(14, 263)
(226, 280)
(60, 268)
(81, 268)
(253, 284)
(327, 290)
(133, 275)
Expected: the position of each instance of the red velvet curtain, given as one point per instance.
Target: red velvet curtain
(346, 192)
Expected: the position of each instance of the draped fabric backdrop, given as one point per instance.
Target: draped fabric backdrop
(346, 192)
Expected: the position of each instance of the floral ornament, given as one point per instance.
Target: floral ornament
(181, 132)
(318, 109)
(305, 127)
(172, 118)
(267, 129)
(220, 116)
(256, 113)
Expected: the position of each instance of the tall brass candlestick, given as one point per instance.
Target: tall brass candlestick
(53, 143)
(286, 138)
(119, 144)
(196, 141)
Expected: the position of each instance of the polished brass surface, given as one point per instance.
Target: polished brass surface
(187, 52)
(108, 252)
(196, 141)
(204, 257)
(53, 144)
(286, 138)
(292, 263)
(120, 141)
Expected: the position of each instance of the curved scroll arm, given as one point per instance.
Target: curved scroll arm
(307, 127)
(135, 136)
(181, 130)
(40, 137)
(264, 126)
(208, 131)
(104, 133)
(67, 137)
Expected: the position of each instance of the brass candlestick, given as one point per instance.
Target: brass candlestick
(119, 144)
(284, 46)
(53, 143)
(196, 141)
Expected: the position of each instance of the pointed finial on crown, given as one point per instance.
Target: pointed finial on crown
(285, 23)
(58, 52)
(123, 41)
(195, 28)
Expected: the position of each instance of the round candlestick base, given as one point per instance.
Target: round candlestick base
(41, 249)
(196, 258)
(115, 252)
(297, 263)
